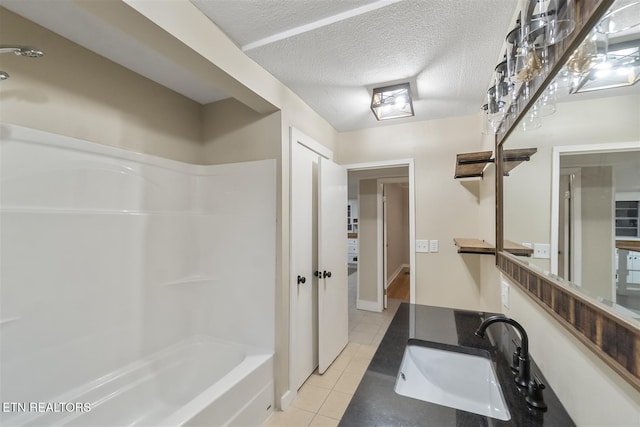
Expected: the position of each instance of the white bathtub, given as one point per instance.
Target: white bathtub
(199, 382)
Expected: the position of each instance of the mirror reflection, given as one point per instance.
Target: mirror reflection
(575, 203)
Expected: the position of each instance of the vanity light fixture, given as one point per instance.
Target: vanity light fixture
(621, 68)
(392, 102)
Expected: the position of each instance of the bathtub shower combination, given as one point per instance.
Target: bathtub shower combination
(135, 290)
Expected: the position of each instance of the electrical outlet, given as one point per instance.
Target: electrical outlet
(422, 246)
(542, 250)
(505, 294)
(433, 246)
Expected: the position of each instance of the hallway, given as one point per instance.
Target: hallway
(400, 287)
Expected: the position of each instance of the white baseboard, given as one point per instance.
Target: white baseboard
(369, 305)
(396, 273)
(393, 276)
(286, 399)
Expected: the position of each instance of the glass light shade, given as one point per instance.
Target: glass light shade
(547, 101)
(531, 121)
(624, 18)
(550, 21)
(504, 87)
(591, 52)
(392, 102)
(528, 63)
(622, 68)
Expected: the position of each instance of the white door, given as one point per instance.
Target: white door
(333, 311)
(303, 286)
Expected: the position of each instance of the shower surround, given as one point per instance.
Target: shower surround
(141, 288)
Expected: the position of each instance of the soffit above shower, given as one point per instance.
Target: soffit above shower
(78, 22)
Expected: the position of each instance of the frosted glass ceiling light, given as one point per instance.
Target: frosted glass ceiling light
(392, 102)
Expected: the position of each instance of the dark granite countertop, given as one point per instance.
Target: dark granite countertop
(375, 402)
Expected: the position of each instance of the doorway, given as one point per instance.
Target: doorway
(371, 271)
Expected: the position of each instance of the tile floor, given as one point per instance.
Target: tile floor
(322, 399)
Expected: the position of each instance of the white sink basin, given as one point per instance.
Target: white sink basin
(451, 378)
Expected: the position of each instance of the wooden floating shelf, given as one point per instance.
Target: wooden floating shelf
(516, 249)
(473, 246)
(513, 158)
(629, 245)
(477, 246)
(472, 165)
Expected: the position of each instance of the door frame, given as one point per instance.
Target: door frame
(555, 185)
(409, 163)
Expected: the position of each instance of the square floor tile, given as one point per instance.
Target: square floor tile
(335, 405)
(310, 397)
(320, 421)
(348, 382)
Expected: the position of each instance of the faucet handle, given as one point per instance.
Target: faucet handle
(534, 396)
(515, 360)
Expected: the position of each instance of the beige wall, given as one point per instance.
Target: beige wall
(74, 92)
(445, 208)
(232, 132)
(397, 203)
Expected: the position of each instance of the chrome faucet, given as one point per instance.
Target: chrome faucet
(523, 376)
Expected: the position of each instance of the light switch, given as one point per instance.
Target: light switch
(422, 246)
(541, 250)
(433, 245)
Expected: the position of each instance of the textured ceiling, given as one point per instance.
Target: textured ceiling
(446, 49)
(332, 53)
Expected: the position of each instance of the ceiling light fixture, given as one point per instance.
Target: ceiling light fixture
(392, 102)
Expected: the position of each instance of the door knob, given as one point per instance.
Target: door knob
(301, 279)
(317, 273)
(326, 274)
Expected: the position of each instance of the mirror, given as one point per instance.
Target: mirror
(576, 201)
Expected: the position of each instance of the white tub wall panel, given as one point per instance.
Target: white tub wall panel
(78, 316)
(170, 269)
(245, 252)
(89, 278)
(42, 170)
(79, 181)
